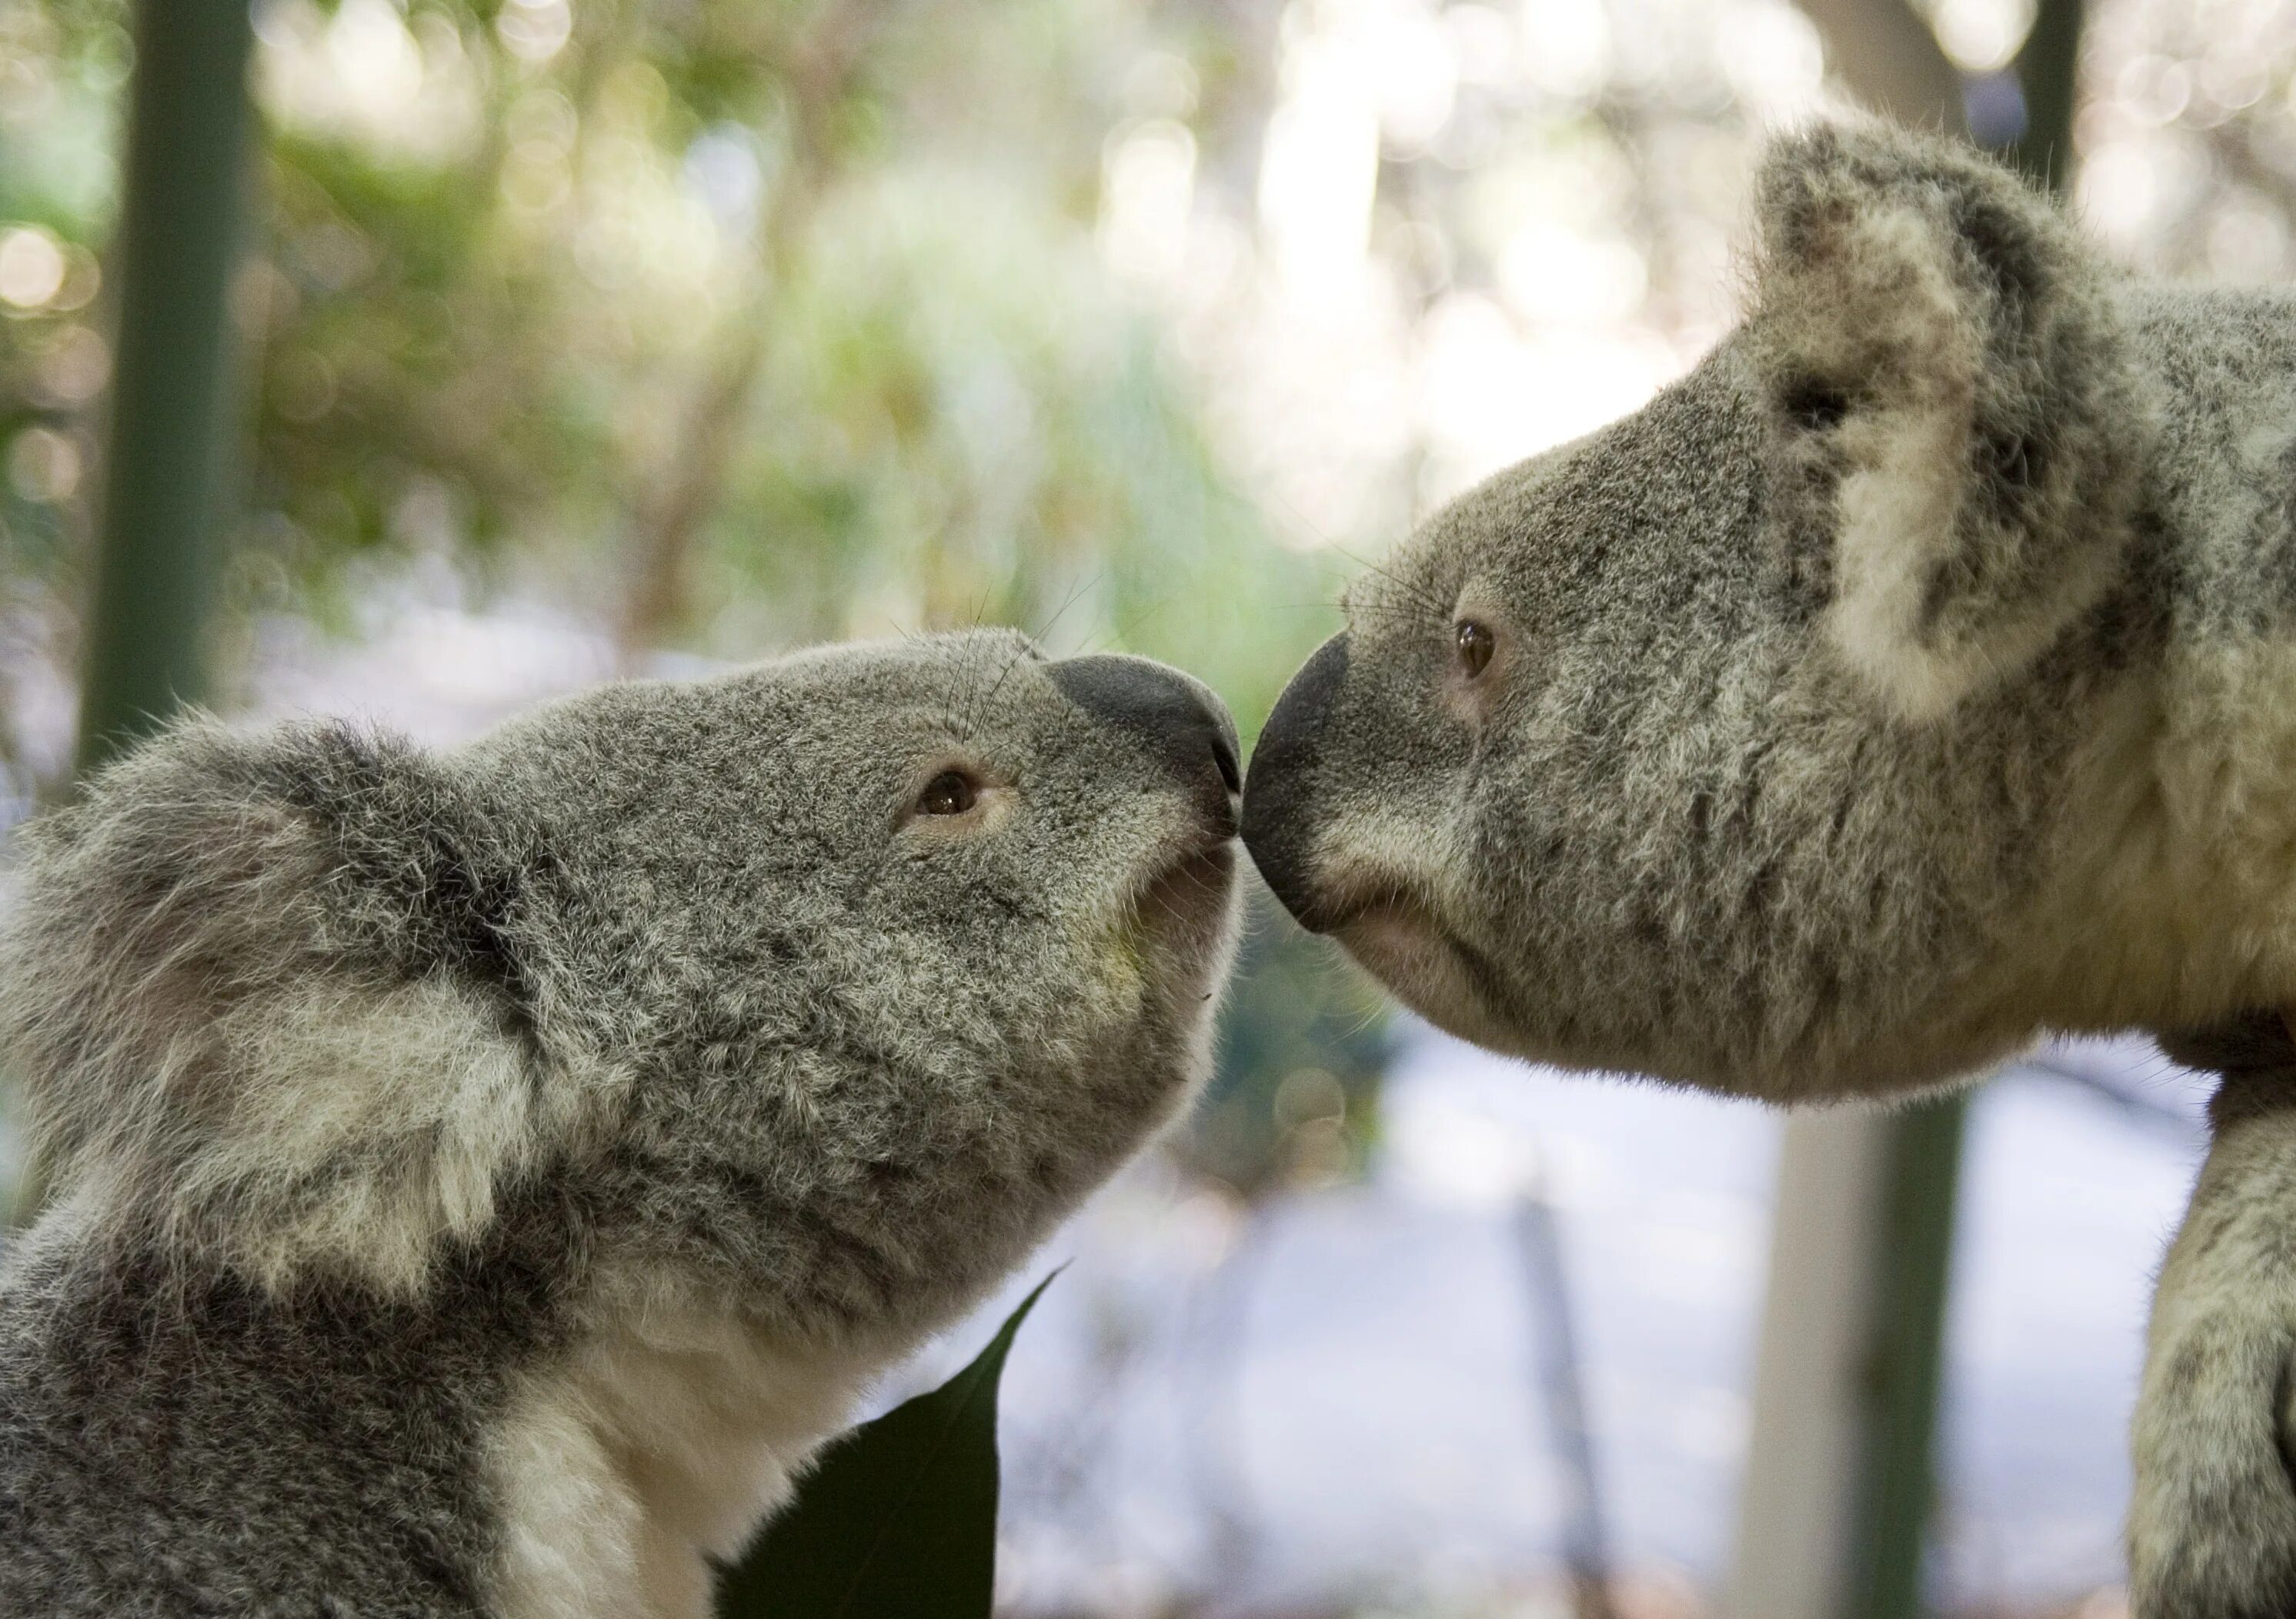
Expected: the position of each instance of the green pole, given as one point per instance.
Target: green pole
(173, 416)
(1920, 1168)
(2047, 71)
(1921, 1153)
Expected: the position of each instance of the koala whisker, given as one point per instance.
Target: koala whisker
(1011, 663)
(1109, 635)
(1390, 612)
(1072, 599)
(1366, 1020)
(1412, 589)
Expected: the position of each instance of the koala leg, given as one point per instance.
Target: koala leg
(2212, 1529)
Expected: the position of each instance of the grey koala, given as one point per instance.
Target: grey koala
(483, 1178)
(1915, 676)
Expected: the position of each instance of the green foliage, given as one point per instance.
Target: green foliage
(795, 306)
(899, 1520)
(67, 64)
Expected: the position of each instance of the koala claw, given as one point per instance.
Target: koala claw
(2212, 1529)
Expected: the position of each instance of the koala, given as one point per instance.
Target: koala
(1911, 678)
(481, 1179)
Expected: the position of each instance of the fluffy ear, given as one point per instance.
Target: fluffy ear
(1955, 418)
(264, 998)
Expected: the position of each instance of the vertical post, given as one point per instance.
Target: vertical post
(2048, 71)
(1554, 1337)
(1799, 1501)
(1920, 1173)
(169, 460)
(1835, 1507)
(173, 417)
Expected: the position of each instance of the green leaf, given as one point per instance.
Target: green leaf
(899, 1518)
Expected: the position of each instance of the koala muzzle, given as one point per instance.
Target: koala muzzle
(1281, 796)
(1179, 720)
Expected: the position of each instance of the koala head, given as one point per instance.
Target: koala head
(1728, 743)
(832, 982)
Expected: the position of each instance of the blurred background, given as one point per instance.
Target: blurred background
(567, 338)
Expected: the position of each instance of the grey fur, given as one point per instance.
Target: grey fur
(483, 1177)
(1910, 679)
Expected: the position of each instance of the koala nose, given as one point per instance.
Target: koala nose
(1180, 719)
(1280, 799)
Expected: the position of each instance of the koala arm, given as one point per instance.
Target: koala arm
(2213, 1526)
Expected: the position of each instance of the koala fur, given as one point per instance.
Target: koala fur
(483, 1178)
(1911, 678)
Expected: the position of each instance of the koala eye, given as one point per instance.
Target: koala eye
(1476, 644)
(951, 792)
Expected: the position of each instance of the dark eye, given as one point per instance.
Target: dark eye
(1475, 643)
(951, 792)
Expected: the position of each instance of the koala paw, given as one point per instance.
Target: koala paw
(2212, 1530)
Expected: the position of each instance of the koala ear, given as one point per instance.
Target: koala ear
(1956, 428)
(263, 994)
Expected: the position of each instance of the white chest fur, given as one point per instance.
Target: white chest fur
(658, 1442)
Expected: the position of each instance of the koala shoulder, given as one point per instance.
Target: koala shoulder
(260, 993)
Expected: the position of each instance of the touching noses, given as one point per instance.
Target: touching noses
(1178, 718)
(1280, 803)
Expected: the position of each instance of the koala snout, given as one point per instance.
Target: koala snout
(1184, 724)
(1280, 798)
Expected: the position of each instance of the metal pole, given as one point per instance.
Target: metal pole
(174, 416)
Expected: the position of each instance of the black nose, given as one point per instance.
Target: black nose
(1281, 799)
(1178, 718)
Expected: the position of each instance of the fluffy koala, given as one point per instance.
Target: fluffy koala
(1912, 678)
(484, 1177)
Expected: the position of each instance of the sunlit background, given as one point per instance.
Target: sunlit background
(647, 334)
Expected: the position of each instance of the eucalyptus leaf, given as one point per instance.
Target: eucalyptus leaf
(898, 1520)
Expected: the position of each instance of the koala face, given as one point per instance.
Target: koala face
(833, 981)
(1733, 743)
